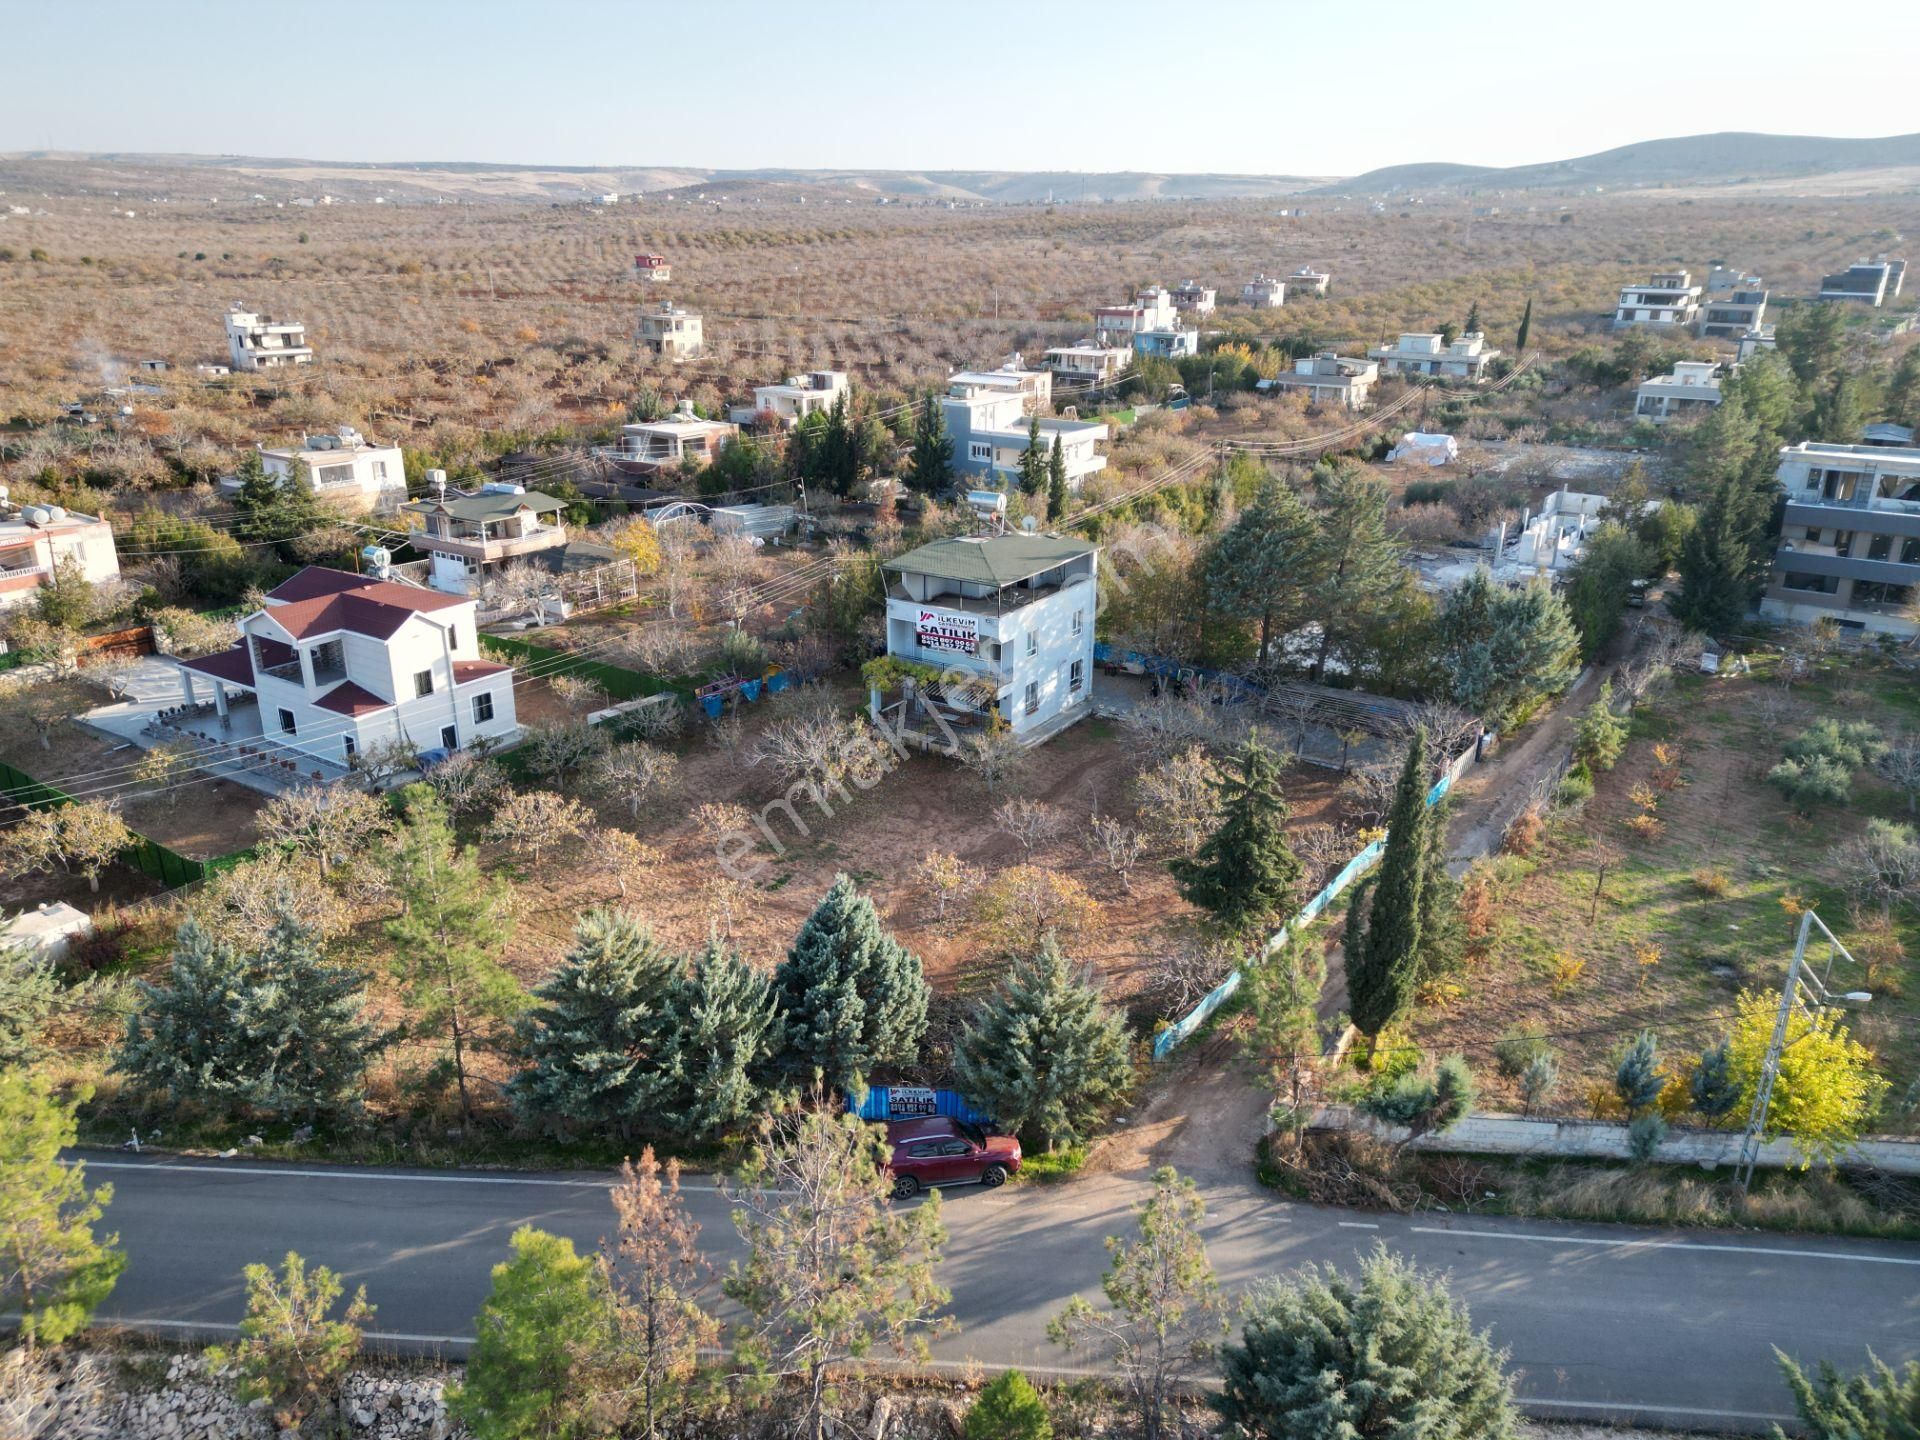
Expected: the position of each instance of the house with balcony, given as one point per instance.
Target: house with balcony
(1173, 344)
(991, 429)
(1006, 621)
(1152, 309)
(332, 664)
(1089, 364)
(1692, 389)
(1870, 282)
(671, 331)
(35, 540)
(1193, 298)
(1263, 292)
(1732, 313)
(1849, 546)
(466, 536)
(801, 396)
(1752, 342)
(1670, 298)
(259, 342)
(648, 447)
(1034, 386)
(1328, 379)
(1309, 281)
(1465, 359)
(342, 467)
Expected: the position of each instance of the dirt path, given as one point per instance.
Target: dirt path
(1204, 1114)
(1491, 794)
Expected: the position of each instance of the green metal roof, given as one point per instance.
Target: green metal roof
(486, 506)
(996, 560)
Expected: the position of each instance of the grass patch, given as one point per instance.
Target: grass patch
(1044, 1167)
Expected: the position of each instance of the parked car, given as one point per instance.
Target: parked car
(943, 1151)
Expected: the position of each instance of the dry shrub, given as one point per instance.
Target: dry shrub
(1643, 795)
(1343, 1167)
(1524, 832)
(1645, 827)
(1567, 970)
(1477, 914)
(1713, 884)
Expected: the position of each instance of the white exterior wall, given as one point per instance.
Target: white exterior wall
(379, 472)
(33, 553)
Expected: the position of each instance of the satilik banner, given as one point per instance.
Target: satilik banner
(945, 630)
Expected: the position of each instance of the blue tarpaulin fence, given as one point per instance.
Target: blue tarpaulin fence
(1359, 865)
(878, 1104)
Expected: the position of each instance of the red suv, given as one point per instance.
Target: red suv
(943, 1151)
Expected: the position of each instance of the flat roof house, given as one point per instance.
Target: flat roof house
(1008, 619)
(1328, 379)
(35, 539)
(338, 663)
(1692, 389)
(1089, 363)
(1465, 359)
(649, 446)
(259, 342)
(1309, 281)
(1263, 292)
(1850, 539)
(671, 331)
(652, 267)
(1193, 298)
(990, 430)
(1167, 344)
(344, 467)
(1870, 282)
(1011, 378)
(1669, 298)
(800, 396)
(1732, 313)
(1752, 342)
(1152, 309)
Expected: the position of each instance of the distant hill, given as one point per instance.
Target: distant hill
(1728, 158)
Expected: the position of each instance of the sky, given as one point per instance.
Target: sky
(1294, 87)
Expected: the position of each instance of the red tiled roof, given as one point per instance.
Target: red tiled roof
(347, 698)
(234, 665)
(316, 581)
(465, 670)
(318, 600)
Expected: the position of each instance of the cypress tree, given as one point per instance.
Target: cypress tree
(1043, 1054)
(1473, 318)
(932, 450)
(1244, 875)
(1033, 461)
(1383, 947)
(1526, 328)
(1442, 936)
(276, 1030)
(717, 1031)
(592, 1041)
(1056, 481)
(849, 996)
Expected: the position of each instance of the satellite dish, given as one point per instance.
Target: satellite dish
(1029, 523)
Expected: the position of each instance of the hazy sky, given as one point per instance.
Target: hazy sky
(1268, 86)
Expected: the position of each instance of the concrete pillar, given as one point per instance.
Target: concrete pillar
(186, 683)
(220, 701)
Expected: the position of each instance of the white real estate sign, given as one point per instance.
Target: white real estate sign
(944, 630)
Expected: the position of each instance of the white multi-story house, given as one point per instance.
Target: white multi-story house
(1036, 386)
(1467, 358)
(1670, 298)
(1731, 313)
(1152, 309)
(259, 342)
(1849, 545)
(1008, 618)
(653, 267)
(36, 539)
(1089, 363)
(1871, 282)
(650, 446)
(466, 536)
(991, 428)
(1193, 298)
(1263, 292)
(1692, 389)
(338, 663)
(344, 467)
(671, 331)
(801, 396)
(1309, 281)
(1752, 342)
(1328, 379)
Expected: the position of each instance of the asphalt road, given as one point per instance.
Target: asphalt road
(1603, 1322)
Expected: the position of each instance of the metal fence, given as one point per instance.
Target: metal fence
(915, 1103)
(148, 856)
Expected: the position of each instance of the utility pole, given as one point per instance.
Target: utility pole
(1816, 997)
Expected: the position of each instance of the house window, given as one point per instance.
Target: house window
(350, 747)
(1816, 584)
(422, 684)
(450, 737)
(379, 469)
(453, 637)
(1076, 676)
(1033, 642)
(1843, 542)
(1033, 696)
(1879, 547)
(482, 708)
(1910, 552)
(1813, 534)
(979, 450)
(1079, 620)
(286, 723)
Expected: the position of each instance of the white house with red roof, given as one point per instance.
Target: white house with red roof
(337, 663)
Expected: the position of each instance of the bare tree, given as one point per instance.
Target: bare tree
(1297, 710)
(531, 823)
(1324, 849)
(995, 757)
(1029, 822)
(1179, 798)
(1899, 766)
(466, 782)
(944, 876)
(636, 774)
(332, 823)
(519, 590)
(1881, 864)
(1116, 845)
(578, 693)
(555, 750)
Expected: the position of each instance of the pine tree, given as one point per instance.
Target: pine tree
(1903, 391)
(593, 1040)
(1504, 651)
(1056, 482)
(1878, 1403)
(1600, 734)
(274, 507)
(448, 936)
(1033, 461)
(277, 1030)
(1723, 563)
(1839, 415)
(1601, 581)
(1526, 329)
(1009, 1409)
(932, 450)
(849, 995)
(1473, 318)
(1712, 1086)
(1638, 1078)
(838, 465)
(30, 991)
(1383, 935)
(1244, 875)
(1355, 569)
(718, 1029)
(1258, 568)
(1043, 1054)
